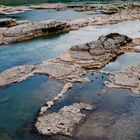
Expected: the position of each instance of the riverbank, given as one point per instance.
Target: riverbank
(73, 80)
(15, 31)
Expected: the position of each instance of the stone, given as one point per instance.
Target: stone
(43, 110)
(16, 74)
(64, 121)
(129, 79)
(98, 53)
(50, 104)
(26, 30)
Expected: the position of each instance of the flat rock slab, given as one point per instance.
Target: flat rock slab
(64, 121)
(17, 31)
(129, 78)
(72, 65)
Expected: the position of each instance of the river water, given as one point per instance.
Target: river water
(29, 2)
(117, 115)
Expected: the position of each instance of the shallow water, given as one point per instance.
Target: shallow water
(19, 103)
(117, 114)
(34, 51)
(39, 15)
(123, 61)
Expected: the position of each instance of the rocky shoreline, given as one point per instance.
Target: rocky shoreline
(70, 68)
(72, 65)
(12, 31)
(15, 31)
(104, 8)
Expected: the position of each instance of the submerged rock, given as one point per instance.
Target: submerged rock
(72, 65)
(50, 103)
(129, 78)
(64, 121)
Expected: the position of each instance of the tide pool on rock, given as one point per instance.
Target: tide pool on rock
(19, 104)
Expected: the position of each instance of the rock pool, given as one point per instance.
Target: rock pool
(117, 113)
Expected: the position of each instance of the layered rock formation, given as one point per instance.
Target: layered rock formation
(129, 78)
(19, 9)
(117, 7)
(64, 121)
(25, 30)
(15, 31)
(72, 65)
(111, 8)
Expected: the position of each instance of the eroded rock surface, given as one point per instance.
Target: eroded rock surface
(25, 30)
(72, 65)
(94, 55)
(16, 74)
(64, 121)
(20, 9)
(28, 30)
(129, 78)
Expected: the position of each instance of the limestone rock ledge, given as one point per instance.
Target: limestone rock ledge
(73, 64)
(64, 121)
(20, 9)
(129, 78)
(25, 30)
(12, 31)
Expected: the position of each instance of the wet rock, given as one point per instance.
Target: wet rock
(64, 121)
(25, 30)
(57, 69)
(16, 74)
(29, 30)
(72, 65)
(129, 78)
(7, 22)
(96, 54)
